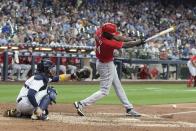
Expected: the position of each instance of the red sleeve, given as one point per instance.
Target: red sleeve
(113, 43)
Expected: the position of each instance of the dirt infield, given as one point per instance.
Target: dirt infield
(107, 118)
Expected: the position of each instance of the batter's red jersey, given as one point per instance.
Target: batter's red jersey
(105, 47)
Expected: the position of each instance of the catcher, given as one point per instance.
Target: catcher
(36, 95)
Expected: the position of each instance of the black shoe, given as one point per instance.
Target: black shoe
(12, 113)
(97, 76)
(133, 113)
(79, 110)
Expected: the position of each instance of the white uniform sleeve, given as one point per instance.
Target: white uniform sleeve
(34, 84)
(23, 92)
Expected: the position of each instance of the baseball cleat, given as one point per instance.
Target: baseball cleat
(133, 113)
(79, 110)
(34, 117)
(43, 117)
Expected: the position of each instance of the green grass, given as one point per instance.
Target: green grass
(137, 94)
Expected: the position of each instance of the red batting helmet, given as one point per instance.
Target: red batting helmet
(109, 27)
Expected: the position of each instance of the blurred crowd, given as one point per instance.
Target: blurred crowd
(73, 22)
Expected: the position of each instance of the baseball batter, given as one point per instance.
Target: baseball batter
(107, 39)
(36, 95)
(192, 69)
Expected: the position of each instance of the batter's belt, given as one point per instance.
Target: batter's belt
(102, 61)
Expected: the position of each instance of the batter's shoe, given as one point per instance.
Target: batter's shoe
(133, 113)
(78, 108)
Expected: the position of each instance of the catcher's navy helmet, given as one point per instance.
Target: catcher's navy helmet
(45, 66)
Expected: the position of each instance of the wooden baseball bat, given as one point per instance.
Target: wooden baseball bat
(161, 33)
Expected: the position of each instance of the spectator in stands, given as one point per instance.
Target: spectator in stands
(28, 39)
(3, 40)
(154, 73)
(62, 67)
(6, 29)
(144, 72)
(127, 71)
(19, 67)
(71, 65)
(93, 66)
(89, 15)
(65, 20)
(28, 60)
(164, 56)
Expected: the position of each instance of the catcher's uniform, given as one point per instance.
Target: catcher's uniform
(39, 83)
(36, 95)
(36, 83)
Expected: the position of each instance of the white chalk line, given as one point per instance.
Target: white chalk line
(116, 119)
(179, 113)
(105, 119)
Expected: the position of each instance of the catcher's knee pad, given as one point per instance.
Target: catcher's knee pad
(48, 99)
(52, 94)
(45, 101)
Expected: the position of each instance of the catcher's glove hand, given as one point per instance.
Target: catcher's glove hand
(83, 73)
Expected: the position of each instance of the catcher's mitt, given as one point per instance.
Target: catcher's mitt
(83, 73)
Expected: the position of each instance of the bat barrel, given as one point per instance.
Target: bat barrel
(161, 33)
